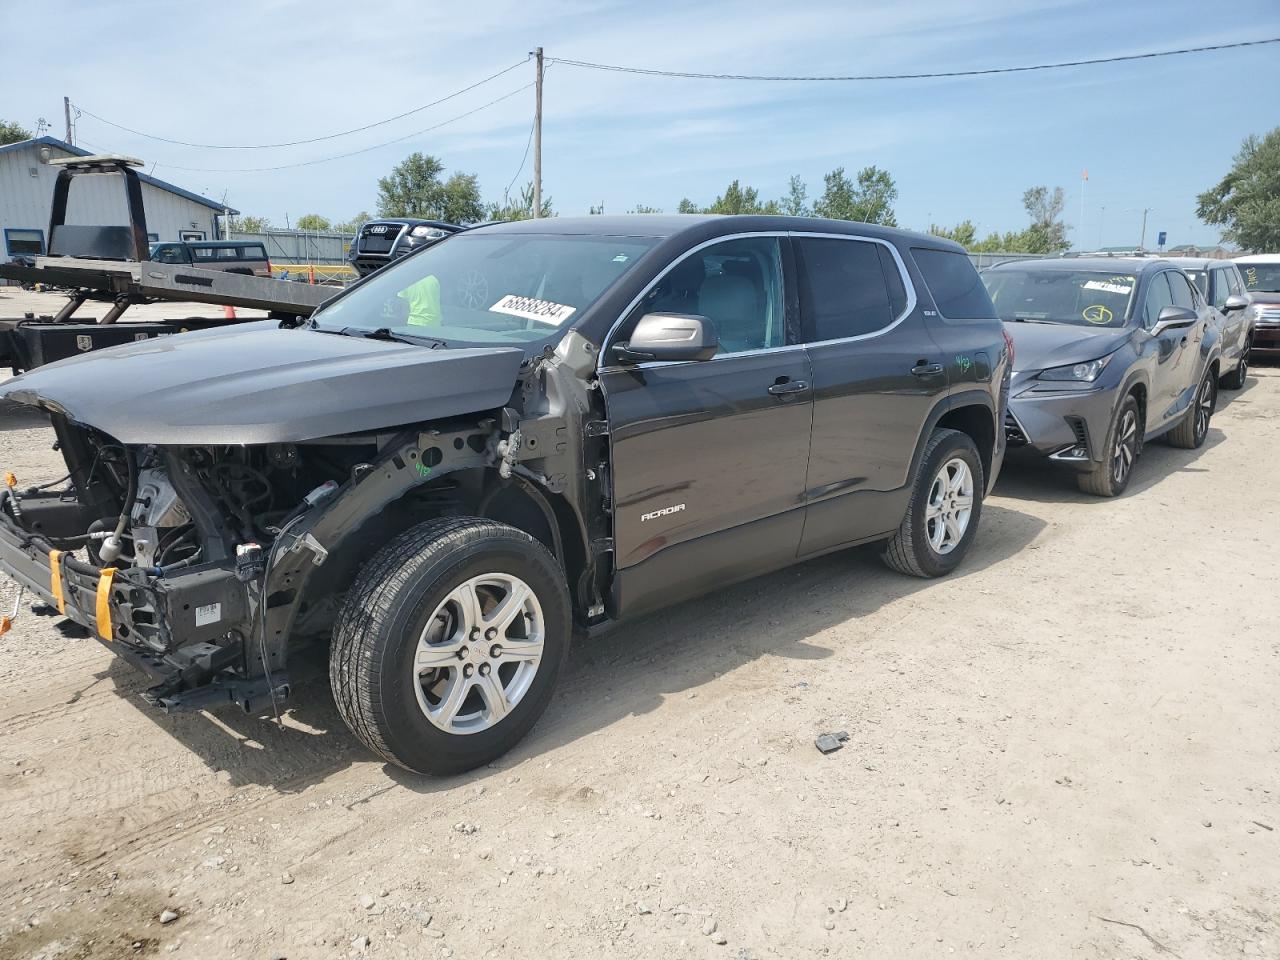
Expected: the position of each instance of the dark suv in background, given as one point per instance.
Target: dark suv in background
(378, 242)
(1223, 288)
(522, 428)
(1111, 352)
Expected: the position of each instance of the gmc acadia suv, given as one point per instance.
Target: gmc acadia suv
(523, 429)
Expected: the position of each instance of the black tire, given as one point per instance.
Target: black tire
(1192, 429)
(1124, 437)
(1236, 379)
(910, 551)
(375, 640)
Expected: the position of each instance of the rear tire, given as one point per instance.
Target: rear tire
(449, 644)
(1124, 443)
(1191, 431)
(1235, 380)
(945, 506)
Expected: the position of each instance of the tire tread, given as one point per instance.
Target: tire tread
(356, 656)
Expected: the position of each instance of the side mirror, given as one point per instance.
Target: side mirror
(669, 336)
(1174, 318)
(1235, 302)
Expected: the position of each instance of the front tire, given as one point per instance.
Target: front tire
(449, 644)
(1124, 442)
(1191, 431)
(1236, 379)
(942, 516)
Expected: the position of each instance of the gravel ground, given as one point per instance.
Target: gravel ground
(1068, 749)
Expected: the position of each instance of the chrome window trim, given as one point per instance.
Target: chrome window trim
(602, 365)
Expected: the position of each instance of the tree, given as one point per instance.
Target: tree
(354, 224)
(1247, 200)
(314, 222)
(12, 132)
(870, 200)
(1047, 233)
(963, 233)
(796, 202)
(738, 199)
(521, 209)
(687, 206)
(644, 208)
(248, 224)
(414, 189)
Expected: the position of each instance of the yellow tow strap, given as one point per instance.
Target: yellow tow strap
(55, 580)
(104, 602)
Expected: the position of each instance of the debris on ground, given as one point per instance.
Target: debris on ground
(831, 742)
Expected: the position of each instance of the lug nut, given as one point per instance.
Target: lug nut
(475, 633)
(491, 633)
(484, 669)
(495, 651)
(468, 670)
(462, 653)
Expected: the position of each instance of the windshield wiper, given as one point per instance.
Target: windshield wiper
(384, 333)
(1030, 320)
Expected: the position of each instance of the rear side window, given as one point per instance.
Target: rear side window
(954, 282)
(254, 251)
(843, 288)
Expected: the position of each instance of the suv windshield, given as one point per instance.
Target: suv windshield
(1260, 277)
(487, 288)
(1083, 297)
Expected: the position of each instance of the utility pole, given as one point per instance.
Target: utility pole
(1142, 243)
(66, 111)
(537, 138)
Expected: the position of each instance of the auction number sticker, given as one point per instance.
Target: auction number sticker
(542, 311)
(1097, 313)
(1106, 287)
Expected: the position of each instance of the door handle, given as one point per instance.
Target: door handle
(923, 369)
(784, 388)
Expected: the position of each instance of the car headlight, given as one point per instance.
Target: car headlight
(425, 231)
(1086, 372)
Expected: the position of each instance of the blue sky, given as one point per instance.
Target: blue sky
(1152, 134)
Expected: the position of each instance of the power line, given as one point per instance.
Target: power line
(523, 161)
(295, 143)
(353, 153)
(646, 71)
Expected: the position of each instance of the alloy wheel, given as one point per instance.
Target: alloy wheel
(950, 505)
(478, 653)
(1204, 408)
(1126, 447)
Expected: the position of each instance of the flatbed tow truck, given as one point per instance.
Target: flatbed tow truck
(111, 264)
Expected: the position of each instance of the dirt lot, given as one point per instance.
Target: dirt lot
(1069, 749)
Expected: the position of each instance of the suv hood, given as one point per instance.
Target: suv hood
(256, 383)
(1039, 346)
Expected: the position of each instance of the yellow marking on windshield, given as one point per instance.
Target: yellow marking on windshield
(1097, 313)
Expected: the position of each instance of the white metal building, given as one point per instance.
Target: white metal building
(26, 194)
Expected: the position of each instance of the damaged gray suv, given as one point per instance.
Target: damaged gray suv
(525, 429)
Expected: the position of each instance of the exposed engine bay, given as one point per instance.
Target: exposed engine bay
(202, 563)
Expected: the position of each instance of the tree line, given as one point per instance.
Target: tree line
(1245, 203)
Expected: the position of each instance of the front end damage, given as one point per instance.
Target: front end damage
(203, 564)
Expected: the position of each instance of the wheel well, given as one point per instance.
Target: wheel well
(977, 422)
(1139, 393)
(477, 492)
